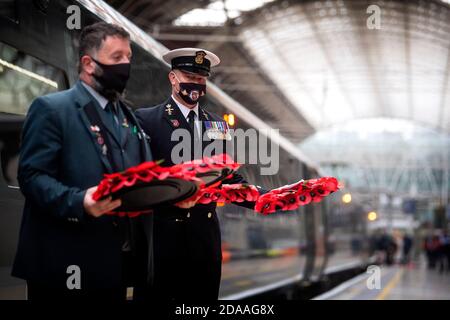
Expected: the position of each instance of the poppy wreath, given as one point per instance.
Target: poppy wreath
(288, 197)
(216, 162)
(292, 196)
(149, 171)
(226, 193)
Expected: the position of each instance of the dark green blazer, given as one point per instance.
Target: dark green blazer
(61, 156)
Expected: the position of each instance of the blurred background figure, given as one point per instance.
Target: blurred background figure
(384, 247)
(432, 247)
(391, 249)
(406, 248)
(444, 252)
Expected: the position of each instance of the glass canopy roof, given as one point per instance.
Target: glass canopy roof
(218, 12)
(384, 155)
(334, 69)
(379, 98)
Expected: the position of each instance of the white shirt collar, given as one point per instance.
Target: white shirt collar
(185, 110)
(97, 96)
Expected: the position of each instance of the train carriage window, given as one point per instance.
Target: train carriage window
(22, 79)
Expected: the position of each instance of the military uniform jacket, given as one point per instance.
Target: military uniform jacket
(187, 241)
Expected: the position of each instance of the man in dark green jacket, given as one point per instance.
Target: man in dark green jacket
(68, 247)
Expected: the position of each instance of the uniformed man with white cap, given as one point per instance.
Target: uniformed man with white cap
(187, 243)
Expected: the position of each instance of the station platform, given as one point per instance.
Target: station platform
(244, 278)
(399, 282)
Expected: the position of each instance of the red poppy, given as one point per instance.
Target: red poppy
(142, 167)
(291, 187)
(216, 162)
(290, 197)
(268, 203)
(304, 198)
(315, 196)
(228, 193)
(211, 194)
(290, 200)
(145, 176)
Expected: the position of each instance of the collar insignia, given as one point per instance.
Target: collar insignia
(169, 109)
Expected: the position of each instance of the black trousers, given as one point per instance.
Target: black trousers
(187, 257)
(133, 275)
(47, 294)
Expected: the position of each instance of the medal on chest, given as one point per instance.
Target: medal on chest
(217, 130)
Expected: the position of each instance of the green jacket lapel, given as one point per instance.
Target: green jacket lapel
(107, 120)
(144, 139)
(83, 100)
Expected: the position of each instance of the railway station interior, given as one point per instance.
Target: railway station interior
(357, 89)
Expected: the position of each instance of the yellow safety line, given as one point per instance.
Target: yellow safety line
(391, 285)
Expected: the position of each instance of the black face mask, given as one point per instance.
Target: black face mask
(114, 77)
(190, 92)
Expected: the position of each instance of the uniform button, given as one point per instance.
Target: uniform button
(115, 224)
(188, 214)
(209, 214)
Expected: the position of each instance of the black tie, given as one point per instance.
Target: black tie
(191, 119)
(112, 110)
(194, 133)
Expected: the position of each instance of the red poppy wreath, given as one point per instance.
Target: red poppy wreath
(285, 198)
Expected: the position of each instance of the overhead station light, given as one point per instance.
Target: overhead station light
(230, 119)
(347, 198)
(218, 12)
(372, 216)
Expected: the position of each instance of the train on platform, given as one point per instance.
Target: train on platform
(293, 254)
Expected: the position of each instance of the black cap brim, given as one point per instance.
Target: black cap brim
(193, 70)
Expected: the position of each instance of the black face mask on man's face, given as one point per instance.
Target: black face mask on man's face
(191, 92)
(112, 78)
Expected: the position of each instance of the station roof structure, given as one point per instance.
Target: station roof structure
(322, 70)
